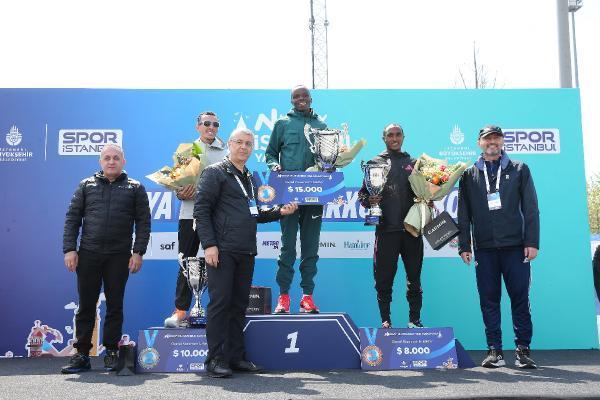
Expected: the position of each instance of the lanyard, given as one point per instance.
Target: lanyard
(244, 189)
(487, 181)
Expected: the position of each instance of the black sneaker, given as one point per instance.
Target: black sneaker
(415, 324)
(494, 359)
(523, 359)
(111, 360)
(78, 363)
(245, 366)
(218, 368)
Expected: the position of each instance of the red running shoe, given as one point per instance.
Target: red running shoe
(307, 305)
(283, 304)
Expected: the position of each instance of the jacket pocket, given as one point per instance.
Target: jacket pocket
(290, 157)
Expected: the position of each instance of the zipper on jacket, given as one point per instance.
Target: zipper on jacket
(110, 188)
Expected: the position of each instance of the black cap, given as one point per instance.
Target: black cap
(489, 129)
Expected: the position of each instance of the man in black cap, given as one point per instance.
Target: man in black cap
(497, 200)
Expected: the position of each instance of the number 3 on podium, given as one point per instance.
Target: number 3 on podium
(292, 337)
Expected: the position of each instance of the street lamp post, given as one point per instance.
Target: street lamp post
(575, 5)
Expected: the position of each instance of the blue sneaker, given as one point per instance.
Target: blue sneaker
(78, 363)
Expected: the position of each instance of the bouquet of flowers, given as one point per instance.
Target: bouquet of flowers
(431, 179)
(188, 163)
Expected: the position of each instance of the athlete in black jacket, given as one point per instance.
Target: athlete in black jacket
(391, 239)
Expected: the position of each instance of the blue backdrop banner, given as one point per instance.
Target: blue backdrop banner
(50, 140)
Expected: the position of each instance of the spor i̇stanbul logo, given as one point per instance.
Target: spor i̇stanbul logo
(13, 137)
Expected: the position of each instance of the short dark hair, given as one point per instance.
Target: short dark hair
(299, 87)
(203, 113)
(392, 125)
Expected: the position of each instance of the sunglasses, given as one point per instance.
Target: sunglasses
(208, 123)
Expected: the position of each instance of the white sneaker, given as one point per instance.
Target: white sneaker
(176, 319)
(415, 324)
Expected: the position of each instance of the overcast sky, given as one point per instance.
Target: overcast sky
(266, 44)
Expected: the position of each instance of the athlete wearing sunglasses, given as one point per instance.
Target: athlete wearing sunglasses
(214, 150)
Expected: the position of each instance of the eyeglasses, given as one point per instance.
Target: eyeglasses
(241, 142)
(208, 123)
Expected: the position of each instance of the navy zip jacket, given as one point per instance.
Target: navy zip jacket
(517, 223)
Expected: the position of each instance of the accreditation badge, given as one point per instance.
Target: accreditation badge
(253, 207)
(494, 202)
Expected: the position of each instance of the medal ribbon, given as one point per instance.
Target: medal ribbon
(150, 339)
(371, 336)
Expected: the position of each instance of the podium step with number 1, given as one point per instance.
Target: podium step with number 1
(302, 341)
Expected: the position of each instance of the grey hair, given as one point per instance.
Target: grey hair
(112, 146)
(240, 131)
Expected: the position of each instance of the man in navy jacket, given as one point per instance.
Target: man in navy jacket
(497, 202)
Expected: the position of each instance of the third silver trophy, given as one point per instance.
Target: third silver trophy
(375, 178)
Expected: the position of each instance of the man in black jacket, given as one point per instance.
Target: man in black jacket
(391, 239)
(498, 203)
(106, 206)
(226, 215)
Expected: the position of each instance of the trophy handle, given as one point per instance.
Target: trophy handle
(344, 138)
(307, 136)
(181, 265)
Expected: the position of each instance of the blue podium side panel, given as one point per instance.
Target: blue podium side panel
(302, 342)
(171, 350)
(464, 359)
(389, 349)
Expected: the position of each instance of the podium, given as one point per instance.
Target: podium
(302, 341)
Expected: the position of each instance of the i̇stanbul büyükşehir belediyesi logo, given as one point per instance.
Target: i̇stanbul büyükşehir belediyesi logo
(12, 153)
(13, 137)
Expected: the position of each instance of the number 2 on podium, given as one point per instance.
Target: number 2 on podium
(292, 337)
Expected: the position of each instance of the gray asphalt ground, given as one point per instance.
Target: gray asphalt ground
(563, 374)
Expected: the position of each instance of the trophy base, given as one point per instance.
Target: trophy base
(372, 220)
(196, 322)
(327, 168)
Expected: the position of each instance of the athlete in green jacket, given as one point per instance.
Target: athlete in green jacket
(288, 150)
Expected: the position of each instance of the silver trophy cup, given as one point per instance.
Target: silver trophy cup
(375, 178)
(325, 145)
(194, 269)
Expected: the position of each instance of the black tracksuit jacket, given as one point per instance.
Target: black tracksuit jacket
(397, 196)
